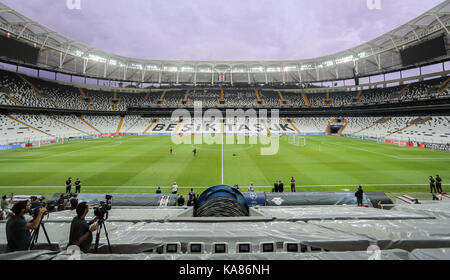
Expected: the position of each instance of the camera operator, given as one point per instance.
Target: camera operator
(80, 232)
(60, 203)
(4, 203)
(35, 203)
(18, 230)
(181, 201)
(73, 202)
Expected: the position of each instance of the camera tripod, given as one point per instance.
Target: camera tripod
(101, 224)
(35, 236)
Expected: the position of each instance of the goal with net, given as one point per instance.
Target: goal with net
(297, 140)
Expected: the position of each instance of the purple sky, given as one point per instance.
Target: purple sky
(222, 30)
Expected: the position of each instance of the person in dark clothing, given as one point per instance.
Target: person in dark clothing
(439, 184)
(34, 202)
(191, 194)
(432, 185)
(292, 184)
(78, 186)
(69, 185)
(74, 202)
(195, 151)
(181, 201)
(280, 187)
(158, 190)
(171, 150)
(195, 199)
(80, 230)
(276, 187)
(60, 203)
(18, 233)
(359, 196)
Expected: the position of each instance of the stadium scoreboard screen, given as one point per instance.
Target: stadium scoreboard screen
(16, 50)
(427, 50)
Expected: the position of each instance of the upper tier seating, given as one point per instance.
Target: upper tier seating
(34, 92)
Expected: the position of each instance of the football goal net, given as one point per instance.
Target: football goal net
(297, 140)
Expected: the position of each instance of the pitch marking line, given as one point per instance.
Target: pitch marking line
(169, 187)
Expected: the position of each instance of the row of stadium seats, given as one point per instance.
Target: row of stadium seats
(16, 90)
(25, 127)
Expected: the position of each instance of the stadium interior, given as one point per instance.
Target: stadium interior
(372, 95)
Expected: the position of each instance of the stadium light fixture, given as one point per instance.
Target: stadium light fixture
(290, 68)
(187, 69)
(78, 53)
(306, 67)
(96, 58)
(345, 59)
(112, 62)
(274, 69)
(136, 66)
(152, 67)
(170, 69)
(258, 69)
(328, 63)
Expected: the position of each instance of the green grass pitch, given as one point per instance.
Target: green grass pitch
(139, 164)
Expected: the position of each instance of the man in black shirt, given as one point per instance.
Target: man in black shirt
(181, 201)
(78, 186)
(439, 184)
(432, 185)
(276, 187)
(359, 196)
(60, 203)
(69, 185)
(158, 190)
(73, 202)
(80, 232)
(18, 230)
(191, 194)
(280, 186)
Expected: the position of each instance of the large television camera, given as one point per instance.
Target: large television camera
(34, 212)
(102, 210)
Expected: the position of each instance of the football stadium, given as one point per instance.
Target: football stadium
(344, 156)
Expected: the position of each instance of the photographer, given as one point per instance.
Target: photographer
(181, 201)
(4, 203)
(80, 232)
(18, 230)
(60, 203)
(35, 203)
(73, 202)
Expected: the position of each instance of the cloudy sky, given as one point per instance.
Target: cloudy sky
(222, 30)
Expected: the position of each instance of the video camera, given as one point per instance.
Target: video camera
(103, 208)
(34, 212)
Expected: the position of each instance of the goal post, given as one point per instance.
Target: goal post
(297, 140)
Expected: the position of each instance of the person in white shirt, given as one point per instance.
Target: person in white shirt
(174, 188)
(251, 188)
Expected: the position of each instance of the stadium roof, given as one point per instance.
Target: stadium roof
(380, 55)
